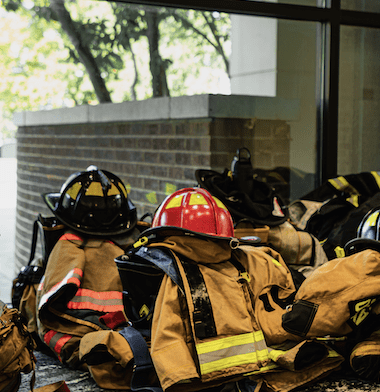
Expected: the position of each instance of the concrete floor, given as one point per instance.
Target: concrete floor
(50, 370)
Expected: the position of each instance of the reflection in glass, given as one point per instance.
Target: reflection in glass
(95, 52)
(359, 122)
(361, 5)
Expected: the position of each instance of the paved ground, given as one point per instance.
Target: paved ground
(50, 370)
(8, 186)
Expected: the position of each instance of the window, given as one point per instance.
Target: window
(315, 59)
(359, 121)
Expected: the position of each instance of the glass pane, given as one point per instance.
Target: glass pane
(359, 122)
(361, 5)
(134, 52)
(277, 58)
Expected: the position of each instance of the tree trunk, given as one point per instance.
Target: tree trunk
(84, 53)
(157, 65)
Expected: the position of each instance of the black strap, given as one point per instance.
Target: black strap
(235, 261)
(313, 250)
(204, 323)
(28, 273)
(313, 245)
(143, 361)
(34, 241)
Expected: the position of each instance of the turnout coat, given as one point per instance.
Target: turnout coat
(80, 293)
(238, 334)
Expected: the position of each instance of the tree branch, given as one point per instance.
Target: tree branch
(84, 53)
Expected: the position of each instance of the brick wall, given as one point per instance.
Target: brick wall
(152, 157)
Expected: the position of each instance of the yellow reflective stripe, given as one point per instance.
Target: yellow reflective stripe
(176, 201)
(219, 203)
(376, 176)
(372, 219)
(274, 354)
(258, 335)
(197, 200)
(245, 276)
(329, 338)
(354, 200)
(73, 191)
(339, 182)
(123, 189)
(339, 251)
(228, 362)
(214, 345)
(232, 351)
(262, 355)
(276, 262)
(263, 369)
(114, 191)
(96, 189)
(333, 353)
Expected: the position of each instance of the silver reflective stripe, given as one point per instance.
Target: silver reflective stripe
(232, 351)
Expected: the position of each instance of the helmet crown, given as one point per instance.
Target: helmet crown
(195, 209)
(93, 202)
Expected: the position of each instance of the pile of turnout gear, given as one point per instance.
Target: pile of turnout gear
(228, 289)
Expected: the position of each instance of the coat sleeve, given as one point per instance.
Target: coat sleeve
(171, 345)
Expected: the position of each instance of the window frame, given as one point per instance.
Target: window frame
(330, 16)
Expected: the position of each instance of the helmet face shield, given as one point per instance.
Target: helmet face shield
(369, 227)
(368, 234)
(196, 210)
(94, 202)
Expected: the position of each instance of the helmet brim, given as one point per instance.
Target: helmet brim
(357, 245)
(51, 200)
(168, 231)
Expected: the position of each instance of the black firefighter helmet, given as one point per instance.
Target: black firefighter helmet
(94, 202)
(245, 197)
(368, 234)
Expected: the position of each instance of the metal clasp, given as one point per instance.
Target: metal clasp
(142, 241)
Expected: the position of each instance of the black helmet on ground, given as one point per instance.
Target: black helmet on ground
(368, 234)
(94, 202)
(245, 197)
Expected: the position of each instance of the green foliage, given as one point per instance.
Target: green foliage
(42, 68)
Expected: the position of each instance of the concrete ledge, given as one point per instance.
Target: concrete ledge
(197, 106)
(150, 109)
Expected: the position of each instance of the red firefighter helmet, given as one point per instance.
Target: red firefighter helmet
(195, 210)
